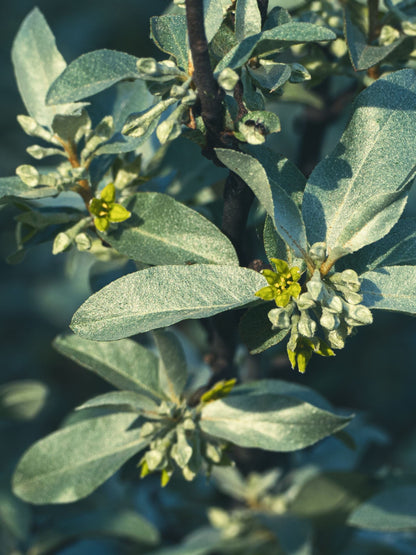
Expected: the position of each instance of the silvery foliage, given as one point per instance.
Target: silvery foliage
(187, 269)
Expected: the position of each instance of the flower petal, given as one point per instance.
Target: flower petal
(118, 213)
(265, 293)
(95, 206)
(101, 223)
(108, 194)
(281, 266)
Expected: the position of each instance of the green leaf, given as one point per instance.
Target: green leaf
(280, 170)
(272, 40)
(247, 19)
(162, 295)
(390, 288)
(277, 203)
(13, 188)
(214, 11)
(92, 73)
(391, 510)
(353, 197)
(274, 245)
(37, 63)
(173, 372)
(270, 76)
(268, 420)
(256, 329)
(329, 497)
(363, 55)
(123, 400)
(111, 522)
(398, 247)
(169, 32)
(71, 463)
(164, 231)
(125, 364)
(22, 400)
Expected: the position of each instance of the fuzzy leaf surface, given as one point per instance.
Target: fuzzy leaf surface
(256, 329)
(164, 231)
(390, 288)
(247, 19)
(375, 158)
(268, 420)
(13, 188)
(122, 400)
(71, 463)
(92, 73)
(37, 63)
(173, 372)
(363, 55)
(124, 364)
(398, 247)
(391, 510)
(214, 11)
(170, 34)
(278, 204)
(279, 37)
(163, 295)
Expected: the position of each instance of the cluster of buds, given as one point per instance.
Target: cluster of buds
(319, 316)
(178, 442)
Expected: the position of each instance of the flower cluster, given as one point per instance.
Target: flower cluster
(178, 442)
(320, 318)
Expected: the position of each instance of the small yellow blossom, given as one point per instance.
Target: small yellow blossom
(106, 210)
(282, 283)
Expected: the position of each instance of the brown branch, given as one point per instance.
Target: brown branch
(210, 95)
(82, 187)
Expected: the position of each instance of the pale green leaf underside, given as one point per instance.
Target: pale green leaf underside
(247, 19)
(283, 35)
(170, 34)
(13, 188)
(37, 63)
(363, 55)
(92, 73)
(71, 463)
(125, 364)
(268, 421)
(173, 372)
(375, 158)
(22, 399)
(163, 295)
(214, 11)
(390, 288)
(278, 204)
(398, 247)
(164, 231)
(391, 510)
(122, 400)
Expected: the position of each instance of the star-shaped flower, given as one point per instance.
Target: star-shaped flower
(106, 210)
(282, 283)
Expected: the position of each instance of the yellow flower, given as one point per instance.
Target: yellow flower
(282, 283)
(106, 210)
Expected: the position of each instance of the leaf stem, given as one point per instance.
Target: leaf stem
(82, 188)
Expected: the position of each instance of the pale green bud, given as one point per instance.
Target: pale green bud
(305, 301)
(280, 317)
(329, 320)
(317, 252)
(306, 326)
(228, 79)
(388, 35)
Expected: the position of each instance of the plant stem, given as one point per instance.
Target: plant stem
(373, 31)
(210, 95)
(82, 188)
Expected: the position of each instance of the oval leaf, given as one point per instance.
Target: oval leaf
(375, 158)
(173, 372)
(270, 421)
(160, 296)
(71, 463)
(22, 400)
(391, 510)
(390, 288)
(125, 364)
(164, 231)
(92, 73)
(278, 204)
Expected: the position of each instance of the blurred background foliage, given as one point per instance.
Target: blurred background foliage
(374, 376)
